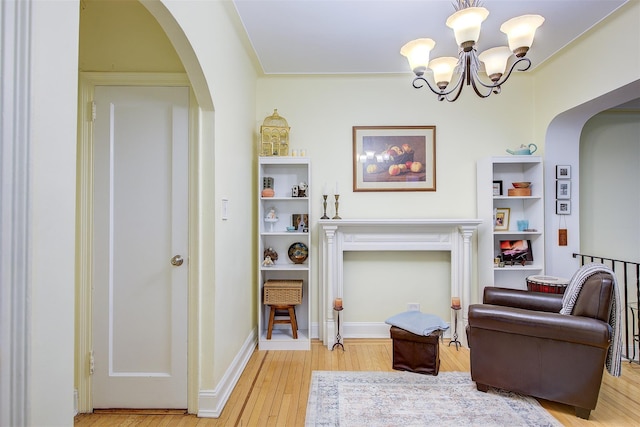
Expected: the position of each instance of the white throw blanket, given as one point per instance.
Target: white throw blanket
(614, 354)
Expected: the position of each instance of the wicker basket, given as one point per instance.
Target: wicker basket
(283, 292)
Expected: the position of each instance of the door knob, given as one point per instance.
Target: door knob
(177, 261)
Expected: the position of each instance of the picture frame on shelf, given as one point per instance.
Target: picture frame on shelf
(563, 207)
(394, 158)
(516, 251)
(563, 189)
(300, 219)
(497, 188)
(501, 220)
(563, 172)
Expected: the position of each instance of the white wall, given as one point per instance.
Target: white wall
(54, 70)
(570, 89)
(609, 177)
(227, 170)
(378, 285)
(322, 110)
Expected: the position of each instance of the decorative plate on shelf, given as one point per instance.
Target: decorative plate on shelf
(298, 252)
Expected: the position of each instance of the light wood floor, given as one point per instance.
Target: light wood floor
(274, 387)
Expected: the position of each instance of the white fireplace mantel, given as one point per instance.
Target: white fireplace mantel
(339, 236)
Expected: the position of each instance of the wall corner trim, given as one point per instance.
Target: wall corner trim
(212, 402)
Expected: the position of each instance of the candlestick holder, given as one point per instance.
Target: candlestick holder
(338, 342)
(455, 327)
(337, 196)
(324, 206)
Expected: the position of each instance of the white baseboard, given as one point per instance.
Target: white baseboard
(371, 330)
(365, 330)
(211, 402)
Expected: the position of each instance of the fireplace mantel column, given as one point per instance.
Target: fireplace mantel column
(467, 233)
(329, 272)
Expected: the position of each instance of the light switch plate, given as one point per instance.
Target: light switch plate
(225, 209)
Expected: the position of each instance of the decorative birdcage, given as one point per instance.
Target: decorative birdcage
(274, 136)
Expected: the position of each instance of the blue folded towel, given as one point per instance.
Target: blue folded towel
(417, 322)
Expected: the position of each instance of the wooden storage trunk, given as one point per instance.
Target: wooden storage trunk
(283, 292)
(519, 192)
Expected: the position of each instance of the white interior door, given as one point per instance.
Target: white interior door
(140, 222)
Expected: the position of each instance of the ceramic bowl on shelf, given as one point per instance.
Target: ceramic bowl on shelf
(298, 252)
(521, 184)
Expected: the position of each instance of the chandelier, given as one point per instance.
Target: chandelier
(499, 62)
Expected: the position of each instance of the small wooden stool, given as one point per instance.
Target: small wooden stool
(291, 312)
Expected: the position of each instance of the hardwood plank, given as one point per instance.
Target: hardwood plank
(294, 389)
(274, 389)
(301, 408)
(130, 411)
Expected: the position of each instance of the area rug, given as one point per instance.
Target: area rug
(376, 399)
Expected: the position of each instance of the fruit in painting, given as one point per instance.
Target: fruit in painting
(373, 168)
(397, 150)
(416, 167)
(408, 164)
(403, 168)
(394, 170)
(407, 148)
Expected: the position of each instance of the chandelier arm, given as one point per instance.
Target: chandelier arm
(473, 79)
(440, 93)
(505, 77)
(492, 89)
(458, 86)
(527, 64)
(418, 86)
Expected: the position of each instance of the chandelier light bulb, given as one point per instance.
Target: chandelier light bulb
(417, 53)
(466, 25)
(495, 61)
(443, 68)
(521, 31)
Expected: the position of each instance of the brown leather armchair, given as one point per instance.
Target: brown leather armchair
(519, 342)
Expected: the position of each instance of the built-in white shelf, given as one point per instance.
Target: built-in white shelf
(286, 173)
(509, 169)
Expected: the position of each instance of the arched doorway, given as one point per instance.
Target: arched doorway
(562, 146)
(202, 107)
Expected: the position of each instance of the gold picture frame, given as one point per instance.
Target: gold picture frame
(501, 220)
(394, 158)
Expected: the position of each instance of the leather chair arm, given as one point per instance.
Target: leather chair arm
(554, 326)
(523, 299)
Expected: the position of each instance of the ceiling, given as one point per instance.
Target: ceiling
(365, 36)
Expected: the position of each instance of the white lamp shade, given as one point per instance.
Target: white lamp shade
(466, 23)
(495, 59)
(521, 30)
(417, 53)
(443, 68)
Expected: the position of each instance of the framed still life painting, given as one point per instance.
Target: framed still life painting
(394, 158)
